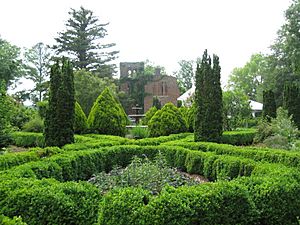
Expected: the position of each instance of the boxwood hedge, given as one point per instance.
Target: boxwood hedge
(254, 186)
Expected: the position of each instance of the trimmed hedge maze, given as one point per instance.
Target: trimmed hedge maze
(248, 185)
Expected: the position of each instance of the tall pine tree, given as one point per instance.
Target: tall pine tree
(81, 41)
(60, 114)
(208, 100)
(269, 105)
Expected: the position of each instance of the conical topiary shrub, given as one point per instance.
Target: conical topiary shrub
(149, 115)
(80, 123)
(166, 121)
(107, 115)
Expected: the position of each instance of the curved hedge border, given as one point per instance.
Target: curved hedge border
(284, 157)
(48, 201)
(258, 193)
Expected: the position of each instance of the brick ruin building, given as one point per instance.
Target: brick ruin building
(163, 87)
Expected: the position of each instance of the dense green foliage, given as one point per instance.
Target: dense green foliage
(149, 114)
(59, 120)
(5, 110)
(280, 132)
(190, 119)
(28, 139)
(49, 201)
(291, 102)
(185, 75)
(107, 115)
(141, 172)
(80, 122)
(88, 87)
(285, 52)
(82, 38)
(256, 181)
(236, 110)
(36, 124)
(4, 220)
(269, 104)
(249, 78)
(10, 63)
(208, 100)
(166, 121)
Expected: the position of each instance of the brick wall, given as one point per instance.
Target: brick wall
(164, 87)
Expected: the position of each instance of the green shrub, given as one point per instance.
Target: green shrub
(277, 141)
(16, 220)
(191, 118)
(141, 172)
(282, 128)
(240, 137)
(123, 206)
(149, 114)
(139, 132)
(13, 159)
(28, 139)
(36, 124)
(49, 202)
(42, 108)
(80, 123)
(166, 121)
(107, 115)
(222, 203)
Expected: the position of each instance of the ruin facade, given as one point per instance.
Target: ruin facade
(163, 87)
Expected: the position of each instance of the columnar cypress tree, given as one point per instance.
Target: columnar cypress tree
(60, 114)
(208, 100)
(269, 104)
(291, 102)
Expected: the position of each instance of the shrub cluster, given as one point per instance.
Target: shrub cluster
(167, 121)
(49, 201)
(258, 192)
(107, 115)
(80, 122)
(28, 139)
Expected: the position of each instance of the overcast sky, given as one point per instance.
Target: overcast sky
(163, 31)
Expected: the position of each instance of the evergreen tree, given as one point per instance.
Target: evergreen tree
(81, 41)
(5, 110)
(166, 121)
(107, 116)
(59, 120)
(291, 102)
(269, 105)
(80, 123)
(208, 99)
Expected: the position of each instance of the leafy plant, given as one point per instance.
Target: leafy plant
(166, 121)
(142, 172)
(139, 132)
(280, 133)
(36, 124)
(80, 123)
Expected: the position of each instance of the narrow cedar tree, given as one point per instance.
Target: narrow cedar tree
(59, 120)
(291, 102)
(208, 100)
(269, 105)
